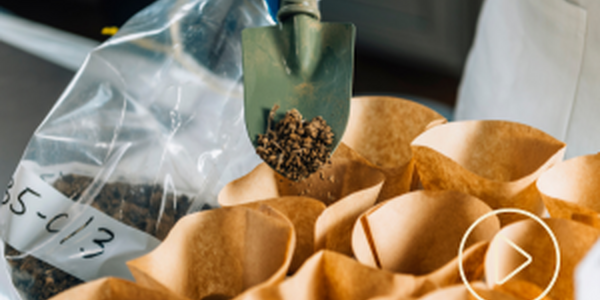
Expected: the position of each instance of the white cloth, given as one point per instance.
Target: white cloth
(537, 62)
(587, 275)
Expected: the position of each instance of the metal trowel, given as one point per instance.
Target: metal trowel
(299, 63)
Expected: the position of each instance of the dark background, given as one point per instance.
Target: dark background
(388, 63)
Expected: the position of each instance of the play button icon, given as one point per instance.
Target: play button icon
(497, 261)
(501, 271)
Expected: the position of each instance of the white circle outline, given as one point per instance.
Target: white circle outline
(500, 211)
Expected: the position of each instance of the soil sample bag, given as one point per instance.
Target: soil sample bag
(150, 129)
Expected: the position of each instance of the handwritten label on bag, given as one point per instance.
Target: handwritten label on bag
(76, 238)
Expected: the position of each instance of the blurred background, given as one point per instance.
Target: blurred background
(413, 47)
(410, 48)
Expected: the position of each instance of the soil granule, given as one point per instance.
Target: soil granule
(295, 148)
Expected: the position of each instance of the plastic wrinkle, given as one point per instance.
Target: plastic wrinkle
(160, 105)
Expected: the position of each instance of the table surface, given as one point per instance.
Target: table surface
(29, 87)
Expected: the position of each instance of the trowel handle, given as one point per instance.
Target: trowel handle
(290, 8)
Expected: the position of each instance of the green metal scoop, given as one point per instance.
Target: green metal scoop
(300, 63)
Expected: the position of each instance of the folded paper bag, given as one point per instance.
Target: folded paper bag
(303, 213)
(347, 173)
(496, 161)
(329, 275)
(219, 253)
(570, 189)
(348, 186)
(115, 289)
(419, 232)
(574, 240)
(473, 267)
(381, 130)
(524, 291)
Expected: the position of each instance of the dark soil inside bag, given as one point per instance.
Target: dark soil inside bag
(138, 206)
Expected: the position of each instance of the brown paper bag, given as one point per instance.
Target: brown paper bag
(114, 289)
(381, 130)
(419, 232)
(348, 186)
(456, 292)
(303, 213)
(496, 161)
(219, 253)
(521, 289)
(525, 291)
(329, 275)
(574, 239)
(473, 267)
(570, 189)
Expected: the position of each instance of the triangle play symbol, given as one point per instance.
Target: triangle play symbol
(527, 262)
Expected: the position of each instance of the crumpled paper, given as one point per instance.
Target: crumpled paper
(381, 129)
(419, 232)
(496, 161)
(303, 212)
(216, 254)
(330, 275)
(574, 240)
(219, 253)
(348, 186)
(570, 189)
(251, 253)
(245, 251)
(520, 291)
(115, 289)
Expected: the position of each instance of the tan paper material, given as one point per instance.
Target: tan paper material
(303, 213)
(456, 292)
(473, 267)
(419, 232)
(348, 186)
(329, 275)
(114, 289)
(525, 291)
(460, 292)
(219, 253)
(574, 240)
(496, 161)
(521, 289)
(381, 130)
(571, 189)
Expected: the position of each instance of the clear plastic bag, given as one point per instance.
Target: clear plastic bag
(149, 130)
